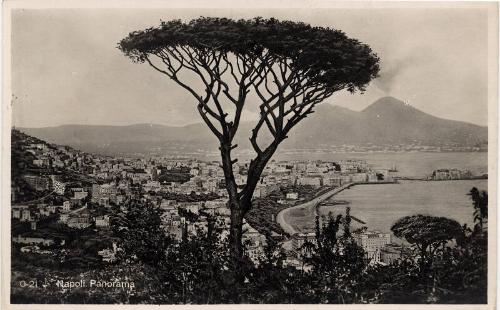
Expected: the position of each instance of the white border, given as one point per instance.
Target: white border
(242, 4)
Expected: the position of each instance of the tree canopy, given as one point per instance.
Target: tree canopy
(329, 56)
(424, 230)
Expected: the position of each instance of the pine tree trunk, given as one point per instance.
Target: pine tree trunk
(237, 212)
(235, 237)
(240, 203)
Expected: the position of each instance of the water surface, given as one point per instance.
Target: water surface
(382, 205)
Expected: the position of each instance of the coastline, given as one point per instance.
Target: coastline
(369, 210)
(288, 228)
(314, 203)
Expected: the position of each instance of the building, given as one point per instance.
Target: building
(32, 240)
(108, 255)
(333, 181)
(38, 162)
(391, 253)
(27, 215)
(43, 211)
(138, 175)
(17, 211)
(79, 221)
(66, 207)
(450, 174)
(359, 177)
(106, 191)
(79, 193)
(57, 185)
(63, 217)
(440, 174)
(38, 183)
(384, 175)
(79, 218)
(173, 226)
(371, 177)
(153, 186)
(102, 221)
(263, 190)
(298, 241)
(315, 181)
(372, 242)
(39, 146)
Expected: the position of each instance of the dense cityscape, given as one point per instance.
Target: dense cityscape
(56, 186)
(80, 190)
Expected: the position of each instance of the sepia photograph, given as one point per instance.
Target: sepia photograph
(317, 153)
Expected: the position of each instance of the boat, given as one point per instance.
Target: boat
(393, 168)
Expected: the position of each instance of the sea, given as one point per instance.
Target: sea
(381, 205)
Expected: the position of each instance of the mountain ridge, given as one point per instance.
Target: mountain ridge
(386, 121)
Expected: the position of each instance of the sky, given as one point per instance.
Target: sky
(66, 68)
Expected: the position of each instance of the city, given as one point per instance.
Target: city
(81, 191)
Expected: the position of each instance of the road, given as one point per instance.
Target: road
(39, 199)
(42, 198)
(281, 218)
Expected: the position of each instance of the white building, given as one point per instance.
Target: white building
(310, 180)
(17, 211)
(372, 242)
(102, 221)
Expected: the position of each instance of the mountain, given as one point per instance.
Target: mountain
(126, 139)
(388, 121)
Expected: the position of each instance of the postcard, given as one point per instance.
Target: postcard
(293, 155)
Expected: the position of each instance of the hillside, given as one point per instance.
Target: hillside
(31, 156)
(387, 121)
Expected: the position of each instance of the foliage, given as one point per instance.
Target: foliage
(260, 216)
(196, 269)
(454, 273)
(427, 232)
(264, 210)
(140, 231)
(187, 271)
(337, 262)
(480, 204)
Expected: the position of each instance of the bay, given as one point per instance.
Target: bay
(380, 206)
